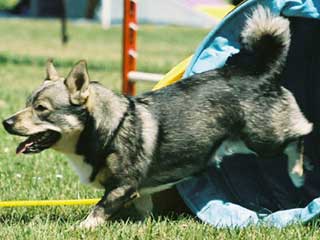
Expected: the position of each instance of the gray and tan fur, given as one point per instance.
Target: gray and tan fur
(133, 146)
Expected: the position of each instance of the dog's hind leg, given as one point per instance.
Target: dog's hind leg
(229, 147)
(144, 206)
(294, 151)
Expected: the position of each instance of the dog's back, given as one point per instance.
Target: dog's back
(243, 99)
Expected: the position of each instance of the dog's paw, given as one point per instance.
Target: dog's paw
(92, 222)
(297, 179)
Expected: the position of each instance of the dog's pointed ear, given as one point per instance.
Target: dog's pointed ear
(77, 83)
(51, 72)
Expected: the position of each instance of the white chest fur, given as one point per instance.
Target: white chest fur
(82, 168)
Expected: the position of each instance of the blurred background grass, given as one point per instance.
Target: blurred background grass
(8, 4)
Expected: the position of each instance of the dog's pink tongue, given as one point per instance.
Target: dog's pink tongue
(23, 147)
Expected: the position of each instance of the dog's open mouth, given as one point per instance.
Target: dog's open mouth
(38, 142)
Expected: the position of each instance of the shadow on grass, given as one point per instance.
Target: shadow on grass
(131, 215)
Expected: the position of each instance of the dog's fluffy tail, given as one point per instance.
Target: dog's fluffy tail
(266, 38)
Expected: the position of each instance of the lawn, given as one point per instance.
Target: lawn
(24, 47)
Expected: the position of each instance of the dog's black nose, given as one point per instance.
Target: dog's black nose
(8, 123)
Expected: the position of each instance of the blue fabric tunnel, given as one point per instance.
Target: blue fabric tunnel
(247, 190)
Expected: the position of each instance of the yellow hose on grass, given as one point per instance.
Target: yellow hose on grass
(37, 203)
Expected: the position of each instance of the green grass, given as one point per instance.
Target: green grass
(7, 4)
(24, 47)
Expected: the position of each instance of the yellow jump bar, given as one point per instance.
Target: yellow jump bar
(36, 203)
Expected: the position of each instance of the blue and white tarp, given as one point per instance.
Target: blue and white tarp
(247, 190)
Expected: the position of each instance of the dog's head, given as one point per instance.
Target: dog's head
(55, 112)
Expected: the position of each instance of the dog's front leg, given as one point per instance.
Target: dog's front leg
(294, 151)
(111, 202)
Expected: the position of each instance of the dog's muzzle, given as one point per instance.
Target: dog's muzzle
(34, 143)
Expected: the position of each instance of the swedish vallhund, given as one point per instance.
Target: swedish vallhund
(135, 146)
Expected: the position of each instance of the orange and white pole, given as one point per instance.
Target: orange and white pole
(129, 38)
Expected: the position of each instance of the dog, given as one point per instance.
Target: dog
(135, 146)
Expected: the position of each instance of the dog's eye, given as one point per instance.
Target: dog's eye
(40, 108)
